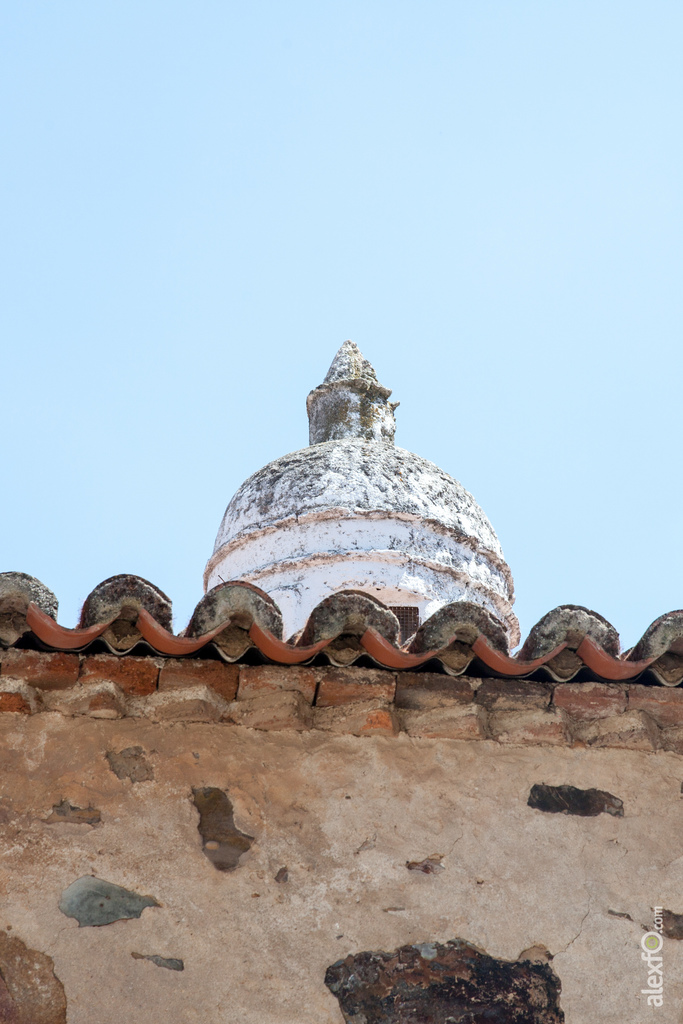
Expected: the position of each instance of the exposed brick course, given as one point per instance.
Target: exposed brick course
(587, 701)
(14, 702)
(634, 730)
(183, 704)
(99, 699)
(366, 718)
(423, 690)
(662, 703)
(512, 694)
(286, 709)
(178, 673)
(18, 697)
(339, 686)
(530, 726)
(106, 705)
(672, 739)
(258, 680)
(135, 676)
(457, 722)
(353, 700)
(45, 670)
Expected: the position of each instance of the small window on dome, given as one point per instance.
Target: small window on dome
(408, 620)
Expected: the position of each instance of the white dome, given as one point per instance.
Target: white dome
(355, 476)
(359, 513)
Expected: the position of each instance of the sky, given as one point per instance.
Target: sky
(200, 201)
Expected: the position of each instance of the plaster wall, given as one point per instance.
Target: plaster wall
(343, 815)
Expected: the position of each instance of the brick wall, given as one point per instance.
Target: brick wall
(350, 700)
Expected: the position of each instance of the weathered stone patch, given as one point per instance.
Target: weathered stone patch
(30, 992)
(444, 984)
(66, 812)
(569, 800)
(672, 925)
(94, 902)
(130, 763)
(170, 963)
(222, 841)
(428, 866)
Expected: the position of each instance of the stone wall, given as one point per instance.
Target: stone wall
(235, 852)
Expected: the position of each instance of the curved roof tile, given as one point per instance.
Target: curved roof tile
(569, 642)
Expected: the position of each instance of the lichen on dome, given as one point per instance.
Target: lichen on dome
(355, 476)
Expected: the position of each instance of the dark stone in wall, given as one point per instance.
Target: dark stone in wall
(64, 811)
(170, 963)
(30, 993)
(130, 763)
(222, 841)
(94, 902)
(672, 925)
(428, 866)
(620, 913)
(453, 983)
(569, 800)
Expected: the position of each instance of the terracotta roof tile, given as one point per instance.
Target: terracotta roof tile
(237, 621)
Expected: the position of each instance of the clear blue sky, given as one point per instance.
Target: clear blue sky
(201, 201)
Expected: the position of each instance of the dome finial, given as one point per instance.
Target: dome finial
(350, 364)
(350, 402)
